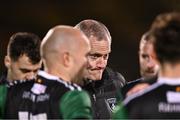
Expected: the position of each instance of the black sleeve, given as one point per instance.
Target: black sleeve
(117, 77)
(128, 86)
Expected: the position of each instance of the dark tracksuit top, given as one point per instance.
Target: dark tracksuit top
(36, 100)
(159, 101)
(11, 91)
(131, 84)
(104, 93)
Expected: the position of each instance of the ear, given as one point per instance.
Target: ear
(7, 61)
(66, 59)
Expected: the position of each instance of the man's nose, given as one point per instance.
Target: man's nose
(101, 62)
(30, 76)
(151, 63)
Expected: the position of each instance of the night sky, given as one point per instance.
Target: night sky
(126, 20)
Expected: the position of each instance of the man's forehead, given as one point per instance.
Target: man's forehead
(146, 45)
(102, 46)
(25, 63)
(29, 68)
(145, 42)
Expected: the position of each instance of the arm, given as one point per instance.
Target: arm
(3, 93)
(76, 104)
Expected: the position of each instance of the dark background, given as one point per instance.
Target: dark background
(127, 20)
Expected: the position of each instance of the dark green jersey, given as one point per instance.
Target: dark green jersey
(161, 100)
(3, 93)
(41, 99)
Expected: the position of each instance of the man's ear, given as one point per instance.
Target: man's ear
(7, 61)
(66, 59)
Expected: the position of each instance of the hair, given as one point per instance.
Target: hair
(165, 31)
(94, 28)
(146, 36)
(23, 43)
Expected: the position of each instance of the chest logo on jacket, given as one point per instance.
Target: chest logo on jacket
(111, 102)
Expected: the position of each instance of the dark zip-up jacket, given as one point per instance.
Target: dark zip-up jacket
(104, 93)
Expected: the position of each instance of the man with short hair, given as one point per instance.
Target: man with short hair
(102, 83)
(148, 67)
(23, 57)
(22, 61)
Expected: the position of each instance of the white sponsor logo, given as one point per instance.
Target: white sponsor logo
(168, 107)
(111, 102)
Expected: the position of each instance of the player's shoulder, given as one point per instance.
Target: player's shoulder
(142, 94)
(54, 82)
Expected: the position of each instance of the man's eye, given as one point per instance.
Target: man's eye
(24, 70)
(93, 56)
(35, 71)
(106, 56)
(145, 56)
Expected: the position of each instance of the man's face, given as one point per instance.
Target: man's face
(148, 66)
(97, 58)
(22, 69)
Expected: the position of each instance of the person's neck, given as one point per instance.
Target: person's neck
(9, 77)
(58, 74)
(170, 70)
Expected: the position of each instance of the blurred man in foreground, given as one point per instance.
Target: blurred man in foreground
(160, 100)
(64, 53)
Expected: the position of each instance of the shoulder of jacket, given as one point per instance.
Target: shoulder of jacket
(115, 77)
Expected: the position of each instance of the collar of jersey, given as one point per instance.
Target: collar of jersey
(169, 81)
(47, 75)
(55, 78)
(50, 77)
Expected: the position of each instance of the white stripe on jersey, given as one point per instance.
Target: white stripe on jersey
(160, 81)
(77, 86)
(141, 92)
(52, 77)
(169, 81)
(46, 75)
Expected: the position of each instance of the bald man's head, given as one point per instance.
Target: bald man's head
(58, 39)
(62, 47)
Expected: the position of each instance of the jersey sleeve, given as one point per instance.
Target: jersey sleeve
(3, 93)
(120, 112)
(76, 104)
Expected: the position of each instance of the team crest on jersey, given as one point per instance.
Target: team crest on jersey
(111, 102)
